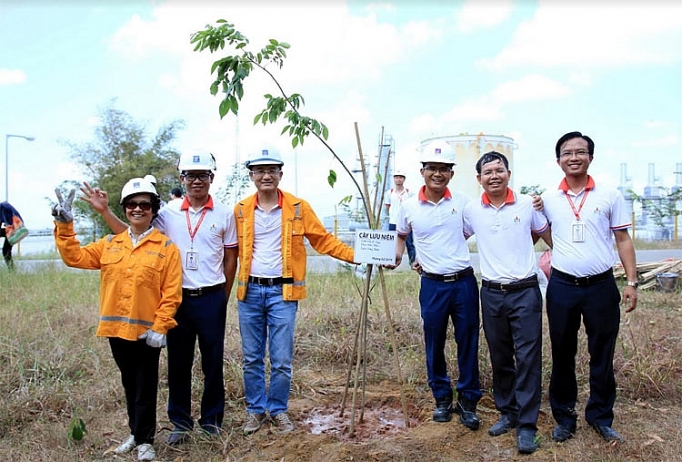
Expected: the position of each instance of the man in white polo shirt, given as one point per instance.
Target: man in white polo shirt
(585, 218)
(397, 194)
(448, 286)
(511, 302)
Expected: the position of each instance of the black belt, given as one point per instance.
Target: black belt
(452, 277)
(270, 281)
(582, 281)
(511, 286)
(202, 290)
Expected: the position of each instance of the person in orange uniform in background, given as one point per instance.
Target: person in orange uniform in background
(141, 289)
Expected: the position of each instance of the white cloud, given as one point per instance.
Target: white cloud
(529, 88)
(595, 35)
(477, 14)
(669, 140)
(655, 124)
(12, 77)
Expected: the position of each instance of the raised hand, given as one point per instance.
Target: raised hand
(98, 199)
(62, 210)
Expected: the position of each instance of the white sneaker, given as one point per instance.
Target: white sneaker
(127, 445)
(146, 452)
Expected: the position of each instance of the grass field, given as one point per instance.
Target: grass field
(54, 370)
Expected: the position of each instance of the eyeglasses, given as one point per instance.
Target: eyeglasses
(191, 177)
(578, 153)
(442, 170)
(144, 206)
(259, 173)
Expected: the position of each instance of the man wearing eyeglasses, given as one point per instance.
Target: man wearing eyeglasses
(204, 231)
(585, 218)
(448, 285)
(272, 225)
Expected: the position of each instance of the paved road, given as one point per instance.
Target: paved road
(325, 264)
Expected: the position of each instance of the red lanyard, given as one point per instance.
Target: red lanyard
(582, 202)
(193, 232)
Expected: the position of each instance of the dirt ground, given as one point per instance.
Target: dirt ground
(322, 434)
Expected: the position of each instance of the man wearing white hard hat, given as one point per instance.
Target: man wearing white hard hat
(205, 232)
(397, 194)
(271, 281)
(448, 286)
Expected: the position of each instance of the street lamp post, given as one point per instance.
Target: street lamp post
(7, 137)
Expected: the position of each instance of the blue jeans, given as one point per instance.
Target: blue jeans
(441, 302)
(264, 318)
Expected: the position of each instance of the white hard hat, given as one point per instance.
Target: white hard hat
(197, 160)
(151, 179)
(399, 172)
(137, 186)
(267, 156)
(438, 151)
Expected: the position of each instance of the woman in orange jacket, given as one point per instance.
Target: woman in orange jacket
(140, 291)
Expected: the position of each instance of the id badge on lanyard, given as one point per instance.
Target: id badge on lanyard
(578, 227)
(191, 257)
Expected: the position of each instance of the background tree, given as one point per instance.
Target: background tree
(235, 184)
(122, 150)
(662, 208)
(533, 189)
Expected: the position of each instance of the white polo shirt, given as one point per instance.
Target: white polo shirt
(395, 200)
(215, 230)
(437, 230)
(503, 236)
(603, 211)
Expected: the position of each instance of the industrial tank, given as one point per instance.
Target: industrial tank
(468, 149)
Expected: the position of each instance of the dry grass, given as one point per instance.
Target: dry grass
(53, 369)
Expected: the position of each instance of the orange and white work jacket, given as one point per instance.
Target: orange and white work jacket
(140, 288)
(298, 221)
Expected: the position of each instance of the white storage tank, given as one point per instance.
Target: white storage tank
(468, 149)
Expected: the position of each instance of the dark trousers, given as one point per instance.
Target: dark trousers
(598, 306)
(512, 322)
(441, 302)
(6, 250)
(201, 318)
(139, 366)
(409, 244)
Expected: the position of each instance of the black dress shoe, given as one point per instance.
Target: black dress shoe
(177, 437)
(525, 441)
(562, 433)
(502, 426)
(467, 413)
(443, 411)
(608, 433)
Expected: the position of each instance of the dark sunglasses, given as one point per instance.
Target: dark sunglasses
(144, 206)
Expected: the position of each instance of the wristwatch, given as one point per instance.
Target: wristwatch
(634, 284)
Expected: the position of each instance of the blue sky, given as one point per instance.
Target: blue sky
(527, 70)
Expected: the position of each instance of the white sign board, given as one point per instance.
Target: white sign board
(375, 246)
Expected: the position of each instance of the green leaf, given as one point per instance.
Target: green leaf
(331, 179)
(325, 132)
(294, 141)
(257, 118)
(77, 430)
(225, 107)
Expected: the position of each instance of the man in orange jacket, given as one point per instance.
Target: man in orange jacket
(271, 225)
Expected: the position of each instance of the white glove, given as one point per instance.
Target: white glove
(61, 211)
(154, 339)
